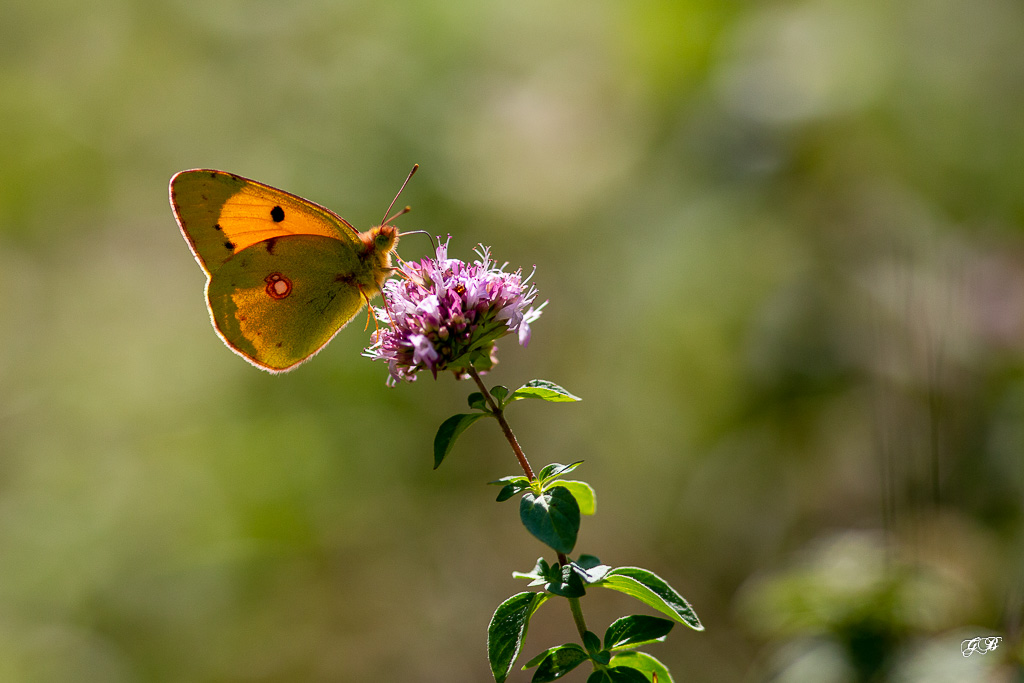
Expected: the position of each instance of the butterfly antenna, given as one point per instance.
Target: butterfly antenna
(420, 232)
(392, 204)
(400, 213)
(398, 256)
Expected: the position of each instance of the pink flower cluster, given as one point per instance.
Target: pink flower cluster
(447, 314)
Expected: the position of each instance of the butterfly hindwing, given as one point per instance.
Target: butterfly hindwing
(281, 300)
(222, 214)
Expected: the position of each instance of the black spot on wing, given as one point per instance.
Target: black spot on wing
(216, 226)
(229, 245)
(270, 244)
(277, 213)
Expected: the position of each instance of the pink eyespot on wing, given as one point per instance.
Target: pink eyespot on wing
(278, 286)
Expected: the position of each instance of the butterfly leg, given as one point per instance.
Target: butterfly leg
(371, 313)
(387, 307)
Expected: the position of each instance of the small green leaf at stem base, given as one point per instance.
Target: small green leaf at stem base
(651, 589)
(590, 561)
(499, 393)
(592, 575)
(553, 517)
(507, 630)
(544, 390)
(511, 479)
(510, 489)
(641, 661)
(476, 401)
(618, 674)
(449, 431)
(540, 574)
(636, 630)
(566, 582)
(556, 469)
(555, 662)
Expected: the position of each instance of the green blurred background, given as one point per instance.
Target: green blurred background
(782, 244)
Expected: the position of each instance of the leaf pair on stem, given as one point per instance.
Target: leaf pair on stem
(550, 509)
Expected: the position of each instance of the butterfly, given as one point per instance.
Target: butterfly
(284, 275)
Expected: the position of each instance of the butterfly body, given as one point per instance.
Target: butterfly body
(284, 275)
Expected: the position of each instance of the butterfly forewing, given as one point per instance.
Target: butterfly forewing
(222, 214)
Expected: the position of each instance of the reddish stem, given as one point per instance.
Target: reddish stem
(574, 603)
(500, 416)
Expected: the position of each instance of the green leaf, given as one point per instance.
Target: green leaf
(511, 489)
(449, 431)
(506, 492)
(476, 401)
(508, 480)
(651, 589)
(541, 573)
(544, 390)
(636, 630)
(556, 469)
(564, 581)
(499, 393)
(641, 661)
(583, 493)
(553, 517)
(591, 642)
(541, 656)
(618, 674)
(556, 662)
(593, 574)
(479, 357)
(507, 630)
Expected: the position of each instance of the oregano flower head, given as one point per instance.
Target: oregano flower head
(447, 314)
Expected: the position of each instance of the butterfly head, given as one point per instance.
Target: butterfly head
(380, 240)
(378, 243)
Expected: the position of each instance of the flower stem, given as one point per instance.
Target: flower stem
(500, 415)
(574, 603)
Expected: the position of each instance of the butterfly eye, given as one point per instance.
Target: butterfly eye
(385, 238)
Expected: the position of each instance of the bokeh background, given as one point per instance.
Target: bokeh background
(782, 243)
